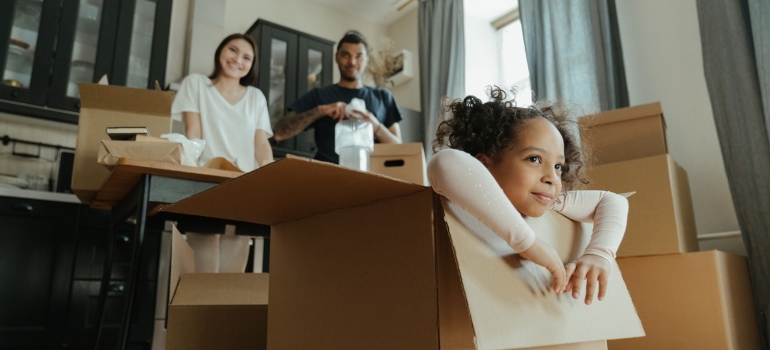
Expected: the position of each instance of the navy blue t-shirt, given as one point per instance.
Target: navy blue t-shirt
(378, 101)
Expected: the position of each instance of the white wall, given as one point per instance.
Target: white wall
(404, 34)
(663, 60)
(482, 56)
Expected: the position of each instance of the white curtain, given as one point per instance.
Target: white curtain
(442, 59)
(573, 52)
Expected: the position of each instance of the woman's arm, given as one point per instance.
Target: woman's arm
(192, 125)
(263, 153)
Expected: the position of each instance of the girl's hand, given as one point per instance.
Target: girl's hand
(545, 256)
(591, 269)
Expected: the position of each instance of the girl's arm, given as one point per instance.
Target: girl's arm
(462, 179)
(606, 210)
(466, 182)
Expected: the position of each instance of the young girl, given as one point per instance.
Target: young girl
(225, 110)
(507, 162)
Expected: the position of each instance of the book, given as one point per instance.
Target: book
(126, 133)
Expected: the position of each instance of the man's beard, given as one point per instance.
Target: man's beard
(349, 78)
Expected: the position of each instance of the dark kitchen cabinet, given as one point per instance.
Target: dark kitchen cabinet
(291, 63)
(47, 47)
(37, 248)
(51, 260)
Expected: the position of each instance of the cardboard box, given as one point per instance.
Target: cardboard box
(111, 151)
(362, 261)
(214, 310)
(103, 106)
(625, 133)
(691, 301)
(401, 161)
(660, 218)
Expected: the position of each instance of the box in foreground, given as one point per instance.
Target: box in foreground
(691, 301)
(362, 261)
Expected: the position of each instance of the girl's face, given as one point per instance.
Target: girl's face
(236, 58)
(530, 171)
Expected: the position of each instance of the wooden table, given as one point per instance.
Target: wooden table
(128, 172)
(133, 189)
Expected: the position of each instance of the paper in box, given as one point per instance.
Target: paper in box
(692, 301)
(103, 106)
(363, 261)
(401, 161)
(214, 310)
(625, 133)
(660, 218)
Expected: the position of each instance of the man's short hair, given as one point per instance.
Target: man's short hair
(353, 37)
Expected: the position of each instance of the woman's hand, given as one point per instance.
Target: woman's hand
(591, 269)
(545, 256)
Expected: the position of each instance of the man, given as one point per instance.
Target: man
(321, 108)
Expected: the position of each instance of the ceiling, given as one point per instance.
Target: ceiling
(386, 12)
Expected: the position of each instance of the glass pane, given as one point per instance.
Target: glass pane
(84, 48)
(314, 69)
(277, 79)
(26, 23)
(141, 44)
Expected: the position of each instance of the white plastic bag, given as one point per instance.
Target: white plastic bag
(192, 148)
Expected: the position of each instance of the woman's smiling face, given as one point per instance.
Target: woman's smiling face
(236, 58)
(529, 172)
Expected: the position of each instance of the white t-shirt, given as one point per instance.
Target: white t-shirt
(227, 128)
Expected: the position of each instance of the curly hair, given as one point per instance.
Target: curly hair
(490, 128)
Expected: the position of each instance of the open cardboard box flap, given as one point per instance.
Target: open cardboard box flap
(372, 262)
(107, 106)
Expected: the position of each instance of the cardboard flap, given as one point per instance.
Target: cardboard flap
(510, 299)
(282, 191)
(140, 101)
(222, 289)
(182, 260)
(396, 150)
(623, 114)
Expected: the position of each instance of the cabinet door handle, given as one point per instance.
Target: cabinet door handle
(23, 207)
(123, 238)
(116, 288)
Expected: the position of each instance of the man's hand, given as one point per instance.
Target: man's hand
(545, 256)
(334, 110)
(367, 116)
(591, 269)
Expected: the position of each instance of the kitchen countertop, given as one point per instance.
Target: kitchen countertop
(39, 195)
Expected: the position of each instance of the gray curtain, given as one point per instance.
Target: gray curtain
(735, 37)
(573, 51)
(442, 59)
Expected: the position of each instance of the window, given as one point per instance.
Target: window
(513, 58)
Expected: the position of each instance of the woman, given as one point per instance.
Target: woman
(225, 110)
(231, 116)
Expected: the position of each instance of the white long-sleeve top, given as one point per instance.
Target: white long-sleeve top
(465, 181)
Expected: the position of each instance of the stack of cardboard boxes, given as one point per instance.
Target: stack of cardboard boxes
(686, 299)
